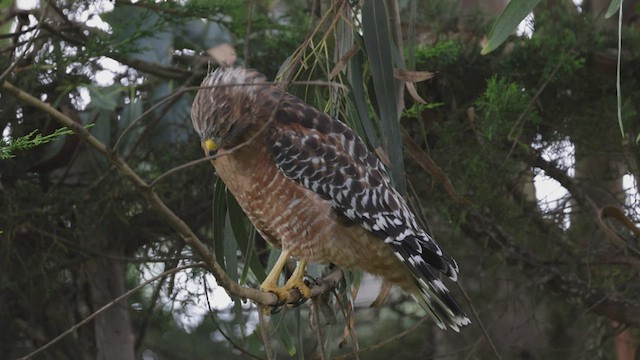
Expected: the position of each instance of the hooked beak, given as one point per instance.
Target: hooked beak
(210, 147)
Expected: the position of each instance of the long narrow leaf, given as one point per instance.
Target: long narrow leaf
(299, 333)
(285, 336)
(507, 22)
(613, 8)
(378, 44)
(230, 251)
(231, 264)
(244, 234)
(357, 93)
(251, 258)
(219, 215)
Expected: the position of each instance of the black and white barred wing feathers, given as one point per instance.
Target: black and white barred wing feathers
(327, 157)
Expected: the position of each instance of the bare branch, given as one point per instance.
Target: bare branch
(189, 237)
(105, 307)
(484, 230)
(263, 298)
(386, 342)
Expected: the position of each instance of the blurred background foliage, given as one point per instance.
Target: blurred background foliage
(527, 135)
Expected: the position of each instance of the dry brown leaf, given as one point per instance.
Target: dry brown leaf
(631, 253)
(414, 93)
(385, 289)
(412, 76)
(343, 61)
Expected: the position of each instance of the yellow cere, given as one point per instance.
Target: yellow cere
(210, 145)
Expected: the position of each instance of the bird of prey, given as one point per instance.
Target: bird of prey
(310, 186)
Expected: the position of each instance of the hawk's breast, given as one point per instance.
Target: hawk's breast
(290, 216)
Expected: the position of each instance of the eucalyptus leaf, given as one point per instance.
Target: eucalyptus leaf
(358, 96)
(299, 333)
(613, 8)
(230, 251)
(378, 43)
(102, 128)
(104, 98)
(219, 216)
(129, 114)
(507, 23)
(244, 235)
(284, 335)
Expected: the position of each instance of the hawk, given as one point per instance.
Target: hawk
(309, 185)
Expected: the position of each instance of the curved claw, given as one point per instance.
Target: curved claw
(274, 309)
(301, 301)
(296, 281)
(281, 302)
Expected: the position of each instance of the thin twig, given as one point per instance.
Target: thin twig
(247, 38)
(618, 66)
(239, 146)
(264, 332)
(224, 334)
(179, 168)
(524, 112)
(348, 317)
(314, 322)
(105, 307)
(159, 103)
(27, 45)
(296, 57)
(152, 198)
(189, 237)
(386, 342)
(485, 333)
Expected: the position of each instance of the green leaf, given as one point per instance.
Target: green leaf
(286, 339)
(219, 216)
(230, 251)
(507, 23)
(378, 43)
(613, 8)
(251, 261)
(299, 333)
(244, 235)
(104, 98)
(357, 94)
(31, 140)
(102, 128)
(129, 114)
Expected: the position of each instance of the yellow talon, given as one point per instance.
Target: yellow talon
(296, 281)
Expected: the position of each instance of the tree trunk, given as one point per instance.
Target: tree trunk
(113, 333)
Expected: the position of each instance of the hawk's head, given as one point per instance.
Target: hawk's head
(225, 107)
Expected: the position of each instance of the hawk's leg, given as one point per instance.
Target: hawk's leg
(295, 281)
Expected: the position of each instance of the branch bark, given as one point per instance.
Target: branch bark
(189, 237)
(483, 229)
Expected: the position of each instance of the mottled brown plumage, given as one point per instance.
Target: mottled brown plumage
(298, 174)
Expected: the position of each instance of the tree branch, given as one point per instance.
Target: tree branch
(189, 237)
(105, 307)
(482, 229)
